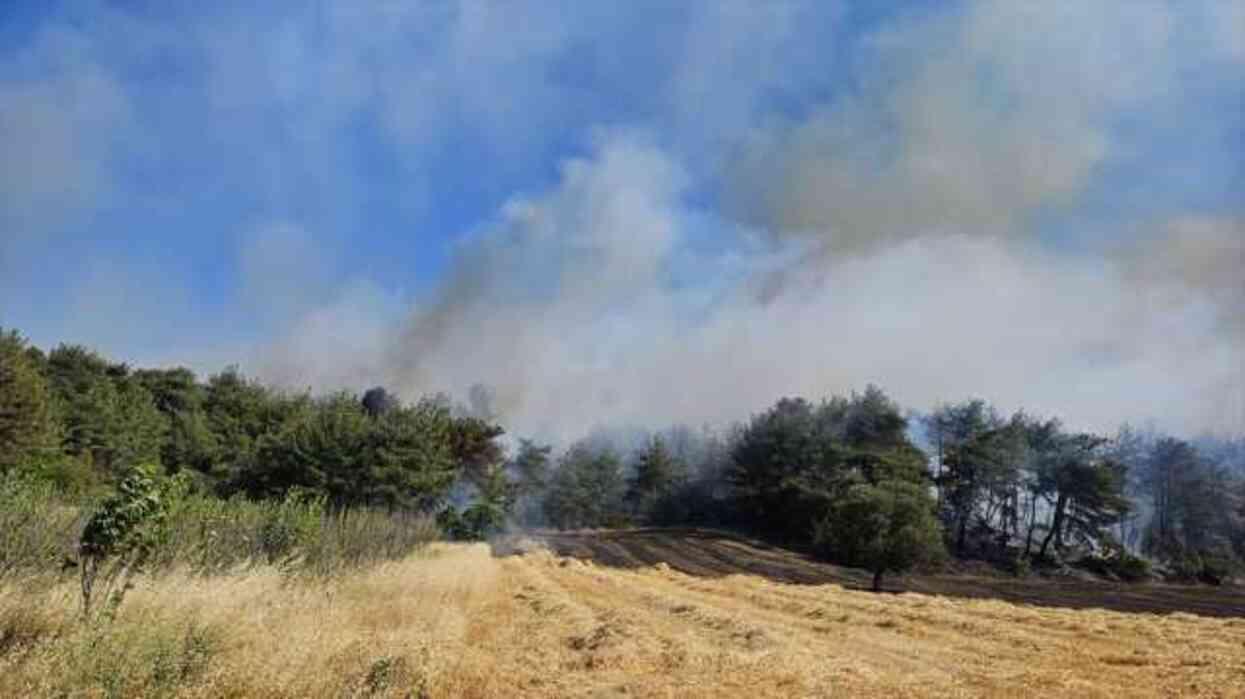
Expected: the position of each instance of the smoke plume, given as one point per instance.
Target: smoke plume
(896, 234)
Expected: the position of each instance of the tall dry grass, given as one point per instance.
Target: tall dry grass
(390, 630)
(456, 621)
(40, 527)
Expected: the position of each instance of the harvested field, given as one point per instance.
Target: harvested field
(641, 614)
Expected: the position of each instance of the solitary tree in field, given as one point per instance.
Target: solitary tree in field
(885, 527)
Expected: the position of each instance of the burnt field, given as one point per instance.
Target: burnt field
(713, 554)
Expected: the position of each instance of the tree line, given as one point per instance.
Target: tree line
(854, 478)
(75, 418)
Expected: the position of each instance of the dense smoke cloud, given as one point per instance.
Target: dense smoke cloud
(987, 199)
(569, 310)
(903, 250)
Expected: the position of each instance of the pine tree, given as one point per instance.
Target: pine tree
(658, 473)
(531, 468)
(28, 429)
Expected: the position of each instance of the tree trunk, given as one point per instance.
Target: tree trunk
(1056, 524)
(1015, 514)
(877, 580)
(1032, 524)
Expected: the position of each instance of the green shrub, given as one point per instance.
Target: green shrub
(1131, 568)
(119, 538)
(1020, 566)
(289, 527)
(1216, 568)
(1120, 564)
(157, 658)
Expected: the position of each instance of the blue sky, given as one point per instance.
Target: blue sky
(215, 183)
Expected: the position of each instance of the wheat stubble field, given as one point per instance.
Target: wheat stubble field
(616, 620)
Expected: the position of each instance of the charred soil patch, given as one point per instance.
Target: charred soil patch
(714, 553)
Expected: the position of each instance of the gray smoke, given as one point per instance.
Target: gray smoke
(889, 236)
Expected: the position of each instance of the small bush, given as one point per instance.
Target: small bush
(119, 538)
(1020, 566)
(1131, 568)
(289, 527)
(177, 661)
(1216, 569)
(153, 659)
(1121, 565)
(477, 522)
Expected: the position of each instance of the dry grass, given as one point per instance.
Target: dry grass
(457, 622)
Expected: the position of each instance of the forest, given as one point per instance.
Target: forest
(854, 479)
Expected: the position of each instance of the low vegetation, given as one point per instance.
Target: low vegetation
(44, 537)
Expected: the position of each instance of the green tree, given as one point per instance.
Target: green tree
(487, 516)
(658, 474)
(109, 417)
(531, 467)
(179, 396)
(790, 463)
(475, 446)
(977, 465)
(587, 490)
(190, 443)
(1197, 510)
(81, 383)
(240, 414)
(783, 468)
(412, 457)
(318, 449)
(884, 527)
(173, 390)
(331, 446)
(29, 432)
(1088, 493)
(135, 429)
